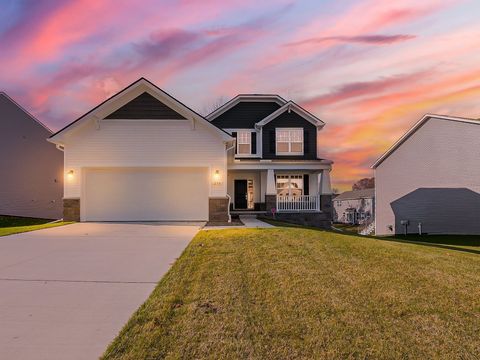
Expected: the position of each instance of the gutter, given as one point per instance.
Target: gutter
(228, 196)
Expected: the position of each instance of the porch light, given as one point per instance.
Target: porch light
(216, 177)
(70, 175)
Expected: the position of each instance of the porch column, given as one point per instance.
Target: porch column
(325, 187)
(271, 191)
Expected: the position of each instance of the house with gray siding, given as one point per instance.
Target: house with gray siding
(31, 169)
(429, 180)
(354, 207)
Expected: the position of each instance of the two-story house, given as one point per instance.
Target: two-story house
(276, 164)
(354, 207)
(31, 169)
(142, 155)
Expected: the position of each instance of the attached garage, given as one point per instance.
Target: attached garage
(142, 155)
(145, 194)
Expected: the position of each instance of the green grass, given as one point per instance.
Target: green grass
(13, 225)
(459, 242)
(348, 227)
(455, 241)
(288, 293)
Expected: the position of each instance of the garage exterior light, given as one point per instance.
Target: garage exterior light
(217, 178)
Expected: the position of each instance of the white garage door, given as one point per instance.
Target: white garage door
(147, 194)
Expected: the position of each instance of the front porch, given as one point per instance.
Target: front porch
(301, 194)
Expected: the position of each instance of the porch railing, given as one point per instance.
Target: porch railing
(298, 203)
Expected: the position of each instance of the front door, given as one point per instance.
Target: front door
(240, 194)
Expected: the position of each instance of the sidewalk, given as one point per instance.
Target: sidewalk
(249, 221)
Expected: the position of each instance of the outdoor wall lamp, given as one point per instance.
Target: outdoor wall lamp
(216, 177)
(70, 175)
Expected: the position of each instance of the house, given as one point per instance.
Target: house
(354, 207)
(429, 180)
(276, 163)
(143, 155)
(31, 169)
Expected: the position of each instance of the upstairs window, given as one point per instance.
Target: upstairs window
(244, 141)
(289, 141)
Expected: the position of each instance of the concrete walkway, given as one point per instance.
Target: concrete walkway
(66, 292)
(249, 221)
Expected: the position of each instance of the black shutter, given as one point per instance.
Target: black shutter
(254, 143)
(306, 147)
(306, 185)
(272, 141)
(234, 134)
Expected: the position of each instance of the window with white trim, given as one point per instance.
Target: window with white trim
(244, 142)
(289, 141)
(289, 185)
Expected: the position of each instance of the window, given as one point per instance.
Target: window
(289, 185)
(244, 139)
(289, 141)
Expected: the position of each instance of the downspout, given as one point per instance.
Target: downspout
(228, 196)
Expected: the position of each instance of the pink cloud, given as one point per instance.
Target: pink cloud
(362, 39)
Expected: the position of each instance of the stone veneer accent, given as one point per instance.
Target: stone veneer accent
(218, 209)
(270, 203)
(321, 219)
(326, 205)
(71, 209)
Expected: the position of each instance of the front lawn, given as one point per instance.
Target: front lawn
(288, 293)
(14, 225)
(348, 227)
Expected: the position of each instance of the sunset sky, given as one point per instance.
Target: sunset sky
(368, 68)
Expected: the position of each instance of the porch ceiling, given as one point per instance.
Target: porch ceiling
(312, 166)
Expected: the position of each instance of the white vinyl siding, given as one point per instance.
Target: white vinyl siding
(139, 143)
(289, 141)
(443, 158)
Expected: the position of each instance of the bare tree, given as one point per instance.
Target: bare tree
(214, 105)
(365, 183)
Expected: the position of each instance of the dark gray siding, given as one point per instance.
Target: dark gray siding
(31, 169)
(245, 114)
(288, 120)
(145, 106)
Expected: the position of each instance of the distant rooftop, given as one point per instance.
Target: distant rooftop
(356, 194)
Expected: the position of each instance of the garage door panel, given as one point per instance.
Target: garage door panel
(146, 194)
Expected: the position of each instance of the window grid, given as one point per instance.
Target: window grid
(244, 142)
(289, 141)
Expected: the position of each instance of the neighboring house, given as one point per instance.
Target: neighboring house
(31, 169)
(143, 155)
(354, 207)
(429, 180)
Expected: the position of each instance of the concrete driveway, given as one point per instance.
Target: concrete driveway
(66, 292)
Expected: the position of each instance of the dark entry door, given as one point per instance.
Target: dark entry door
(240, 194)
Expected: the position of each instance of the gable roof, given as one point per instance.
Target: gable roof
(123, 97)
(145, 106)
(356, 194)
(8, 98)
(245, 114)
(246, 97)
(417, 126)
(292, 106)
